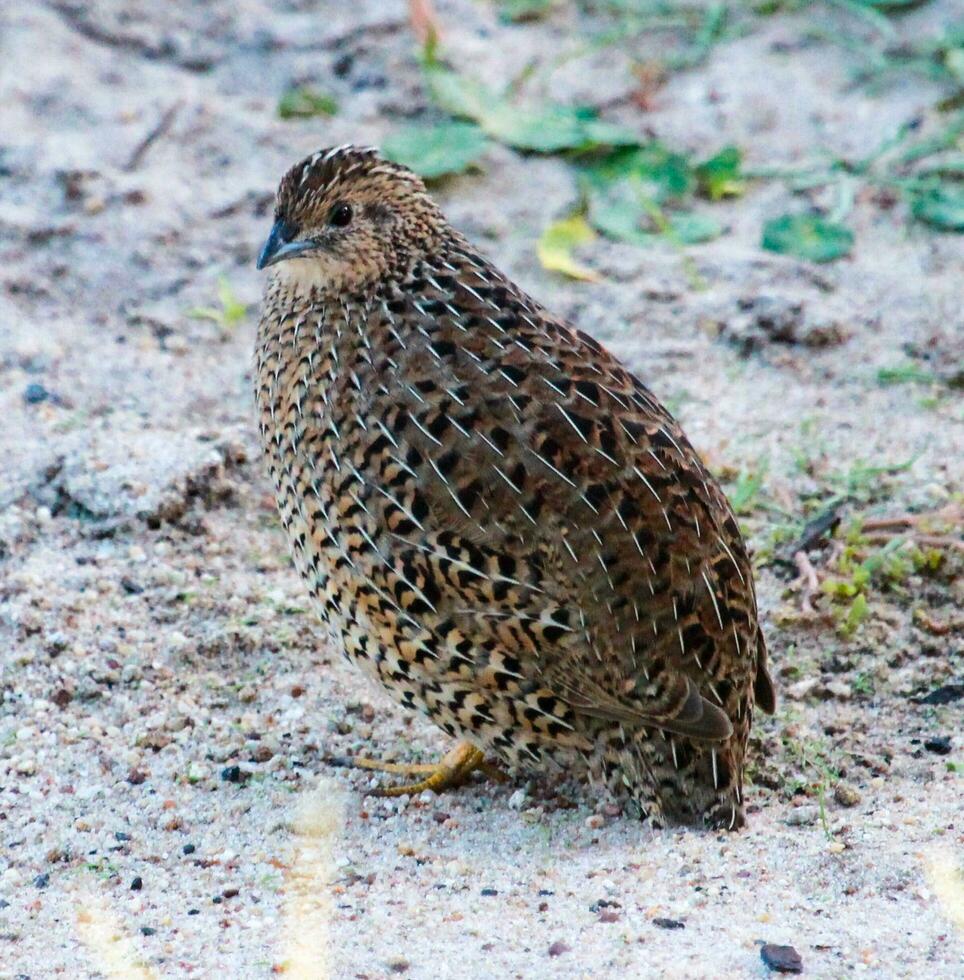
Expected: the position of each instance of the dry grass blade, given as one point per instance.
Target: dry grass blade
(952, 514)
(153, 135)
(809, 580)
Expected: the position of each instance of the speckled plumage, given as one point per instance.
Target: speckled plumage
(501, 523)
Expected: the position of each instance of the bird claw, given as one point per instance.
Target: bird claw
(450, 772)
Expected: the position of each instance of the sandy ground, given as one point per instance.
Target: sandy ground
(167, 699)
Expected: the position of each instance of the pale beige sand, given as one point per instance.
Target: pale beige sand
(153, 635)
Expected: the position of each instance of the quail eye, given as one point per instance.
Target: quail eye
(340, 216)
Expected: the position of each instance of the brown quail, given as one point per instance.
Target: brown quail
(499, 522)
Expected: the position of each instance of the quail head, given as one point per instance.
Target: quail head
(498, 521)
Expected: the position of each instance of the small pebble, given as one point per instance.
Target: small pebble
(188, 848)
(557, 949)
(397, 964)
(939, 745)
(669, 923)
(781, 959)
(136, 776)
(839, 689)
(41, 881)
(34, 393)
(193, 911)
(137, 884)
(489, 892)
(232, 774)
(148, 930)
(121, 836)
(944, 695)
(803, 816)
(846, 795)
(61, 697)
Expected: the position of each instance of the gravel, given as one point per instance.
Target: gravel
(781, 959)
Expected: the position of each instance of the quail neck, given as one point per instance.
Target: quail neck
(498, 522)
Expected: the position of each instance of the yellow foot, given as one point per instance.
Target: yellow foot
(450, 772)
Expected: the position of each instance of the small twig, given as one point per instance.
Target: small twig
(927, 540)
(809, 580)
(937, 627)
(153, 135)
(952, 513)
(837, 548)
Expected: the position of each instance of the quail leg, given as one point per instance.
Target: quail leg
(450, 772)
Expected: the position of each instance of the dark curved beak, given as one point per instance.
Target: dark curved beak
(279, 246)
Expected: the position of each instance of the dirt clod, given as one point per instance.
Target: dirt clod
(781, 959)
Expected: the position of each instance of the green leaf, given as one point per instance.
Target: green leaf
(720, 176)
(231, 313)
(623, 193)
(302, 103)
(652, 169)
(906, 374)
(540, 129)
(856, 614)
(543, 130)
(890, 4)
(954, 63)
(434, 151)
(557, 242)
(460, 96)
(617, 212)
(689, 228)
(598, 132)
(807, 236)
(941, 206)
(520, 10)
